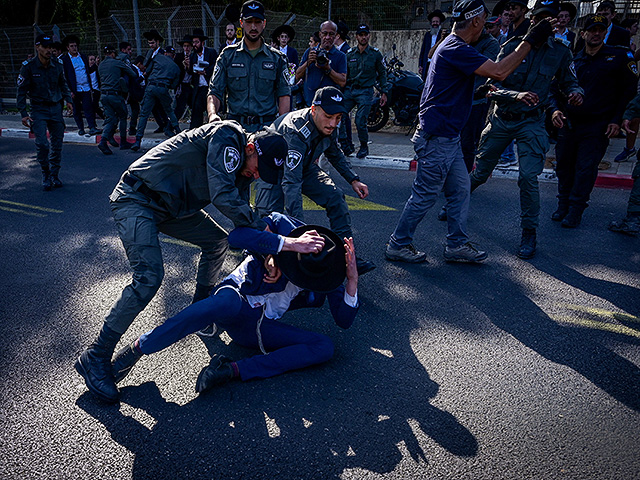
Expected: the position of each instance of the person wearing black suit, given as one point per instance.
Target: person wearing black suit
(282, 36)
(201, 64)
(565, 16)
(430, 38)
(184, 94)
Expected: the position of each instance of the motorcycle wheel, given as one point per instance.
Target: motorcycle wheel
(378, 117)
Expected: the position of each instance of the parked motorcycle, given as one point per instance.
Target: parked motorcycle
(403, 97)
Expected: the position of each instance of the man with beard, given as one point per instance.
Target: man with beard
(201, 64)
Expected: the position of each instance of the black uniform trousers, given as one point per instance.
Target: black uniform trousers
(579, 151)
(470, 134)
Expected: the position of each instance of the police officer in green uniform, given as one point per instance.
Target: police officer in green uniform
(165, 191)
(310, 132)
(365, 68)
(42, 79)
(520, 102)
(252, 76)
(113, 89)
(162, 74)
(630, 225)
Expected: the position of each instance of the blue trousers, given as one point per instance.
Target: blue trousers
(440, 167)
(289, 348)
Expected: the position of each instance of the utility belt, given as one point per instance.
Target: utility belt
(252, 119)
(139, 186)
(111, 92)
(45, 103)
(159, 84)
(518, 117)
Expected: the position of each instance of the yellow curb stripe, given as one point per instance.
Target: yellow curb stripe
(15, 210)
(35, 207)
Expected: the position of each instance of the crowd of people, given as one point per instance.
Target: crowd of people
(490, 82)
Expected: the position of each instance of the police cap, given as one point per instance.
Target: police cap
(466, 9)
(44, 40)
(253, 9)
(330, 99)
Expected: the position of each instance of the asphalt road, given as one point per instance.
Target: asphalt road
(508, 370)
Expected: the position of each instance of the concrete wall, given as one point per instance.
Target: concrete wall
(408, 43)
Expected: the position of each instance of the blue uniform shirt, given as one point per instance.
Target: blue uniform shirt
(448, 90)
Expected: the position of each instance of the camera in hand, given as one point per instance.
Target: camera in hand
(199, 68)
(321, 57)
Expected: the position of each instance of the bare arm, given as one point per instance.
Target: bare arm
(284, 105)
(502, 69)
(213, 105)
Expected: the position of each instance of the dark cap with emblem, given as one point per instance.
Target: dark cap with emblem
(466, 9)
(271, 148)
(551, 7)
(362, 28)
(330, 99)
(320, 272)
(109, 49)
(153, 34)
(253, 9)
(169, 49)
(44, 40)
(594, 20)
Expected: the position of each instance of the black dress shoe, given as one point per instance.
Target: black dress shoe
(218, 372)
(573, 218)
(104, 148)
(363, 151)
(527, 244)
(113, 143)
(442, 214)
(124, 145)
(364, 266)
(55, 181)
(559, 214)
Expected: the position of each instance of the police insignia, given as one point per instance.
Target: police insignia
(216, 69)
(20, 80)
(293, 159)
(268, 66)
(633, 66)
(609, 59)
(629, 54)
(231, 159)
(572, 69)
(305, 131)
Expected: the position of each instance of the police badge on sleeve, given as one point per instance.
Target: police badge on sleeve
(231, 159)
(293, 159)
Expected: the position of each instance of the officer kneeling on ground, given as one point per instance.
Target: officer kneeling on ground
(249, 303)
(165, 191)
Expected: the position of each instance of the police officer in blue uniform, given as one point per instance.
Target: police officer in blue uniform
(609, 76)
(42, 80)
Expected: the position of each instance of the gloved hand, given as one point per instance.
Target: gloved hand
(538, 33)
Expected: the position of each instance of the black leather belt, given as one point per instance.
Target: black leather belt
(517, 117)
(159, 84)
(110, 92)
(252, 119)
(139, 186)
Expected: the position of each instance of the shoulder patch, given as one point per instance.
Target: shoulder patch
(633, 66)
(20, 80)
(293, 159)
(572, 69)
(231, 159)
(630, 54)
(375, 49)
(25, 62)
(305, 131)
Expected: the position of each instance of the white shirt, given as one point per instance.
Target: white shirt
(82, 82)
(202, 81)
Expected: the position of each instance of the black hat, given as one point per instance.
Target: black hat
(343, 30)
(524, 3)
(199, 33)
(362, 28)
(549, 6)
(319, 272)
(153, 34)
(466, 9)
(187, 39)
(500, 7)
(436, 13)
(330, 99)
(568, 7)
(109, 49)
(272, 151)
(57, 45)
(593, 20)
(606, 4)
(70, 39)
(288, 29)
(44, 40)
(253, 9)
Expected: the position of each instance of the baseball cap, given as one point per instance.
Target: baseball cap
(593, 20)
(109, 49)
(169, 49)
(466, 9)
(330, 99)
(363, 28)
(272, 151)
(494, 20)
(44, 40)
(549, 6)
(253, 9)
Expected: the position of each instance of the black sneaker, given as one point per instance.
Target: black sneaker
(467, 252)
(627, 226)
(364, 266)
(218, 372)
(409, 254)
(363, 151)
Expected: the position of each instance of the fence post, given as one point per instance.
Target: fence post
(136, 23)
(125, 36)
(13, 68)
(170, 39)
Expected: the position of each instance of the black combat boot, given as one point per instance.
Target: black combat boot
(137, 145)
(46, 180)
(104, 148)
(527, 244)
(560, 213)
(363, 151)
(125, 359)
(573, 218)
(218, 372)
(55, 181)
(94, 364)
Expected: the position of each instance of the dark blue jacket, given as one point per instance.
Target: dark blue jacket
(70, 72)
